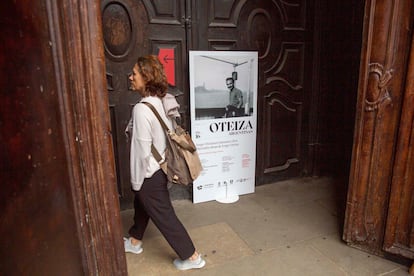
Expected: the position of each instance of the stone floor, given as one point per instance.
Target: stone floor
(287, 228)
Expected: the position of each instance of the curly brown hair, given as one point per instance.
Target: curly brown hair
(152, 71)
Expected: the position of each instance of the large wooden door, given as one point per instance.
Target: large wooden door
(278, 30)
(133, 28)
(380, 207)
(58, 215)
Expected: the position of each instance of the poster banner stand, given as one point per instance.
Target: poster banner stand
(223, 101)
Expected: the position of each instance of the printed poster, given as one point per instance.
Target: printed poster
(223, 102)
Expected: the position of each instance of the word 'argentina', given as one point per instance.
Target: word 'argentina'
(231, 126)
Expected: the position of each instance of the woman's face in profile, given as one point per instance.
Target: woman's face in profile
(137, 81)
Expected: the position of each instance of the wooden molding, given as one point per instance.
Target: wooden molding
(399, 234)
(378, 94)
(77, 45)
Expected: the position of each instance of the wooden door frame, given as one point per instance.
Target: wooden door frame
(79, 59)
(384, 55)
(77, 46)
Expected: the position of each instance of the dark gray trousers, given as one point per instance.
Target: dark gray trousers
(153, 201)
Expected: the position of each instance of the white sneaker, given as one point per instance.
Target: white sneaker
(136, 249)
(188, 264)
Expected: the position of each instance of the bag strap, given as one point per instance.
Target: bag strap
(185, 145)
(164, 126)
(154, 151)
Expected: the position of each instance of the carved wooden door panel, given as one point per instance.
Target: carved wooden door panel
(399, 231)
(133, 28)
(278, 31)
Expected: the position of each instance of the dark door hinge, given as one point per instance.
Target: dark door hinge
(186, 22)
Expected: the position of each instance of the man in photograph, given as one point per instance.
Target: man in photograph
(235, 106)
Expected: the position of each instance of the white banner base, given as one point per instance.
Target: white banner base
(228, 199)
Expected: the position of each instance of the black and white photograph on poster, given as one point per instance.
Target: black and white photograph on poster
(222, 86)
(223, 102)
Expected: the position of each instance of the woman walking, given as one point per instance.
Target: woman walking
(149, 182)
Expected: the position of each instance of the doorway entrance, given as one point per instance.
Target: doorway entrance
(279, 31)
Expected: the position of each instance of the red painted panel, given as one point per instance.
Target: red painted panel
(167, 58)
